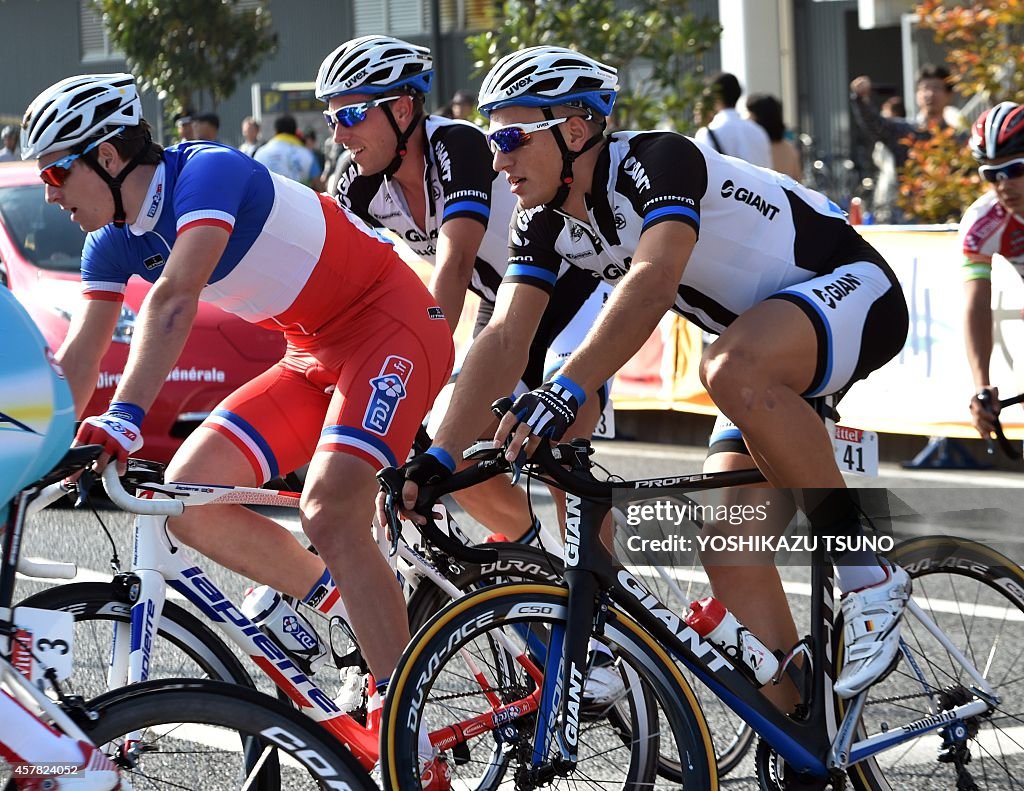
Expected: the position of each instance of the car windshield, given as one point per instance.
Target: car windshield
(41, 231)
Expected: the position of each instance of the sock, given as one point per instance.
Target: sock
(859, 569)
(325, 597)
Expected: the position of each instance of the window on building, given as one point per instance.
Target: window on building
(413, 17)
(96, 44)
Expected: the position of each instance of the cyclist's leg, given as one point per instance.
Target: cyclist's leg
(271, 421)
(386, 375)
(767, 614)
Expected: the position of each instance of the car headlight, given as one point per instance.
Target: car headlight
(123, 330)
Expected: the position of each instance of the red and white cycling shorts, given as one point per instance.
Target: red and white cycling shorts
(360, 385)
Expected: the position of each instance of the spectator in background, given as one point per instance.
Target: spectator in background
(250, 136)
(729, 133)
(766, 110)
(206, 126)
(934, 96)
(464, 105)
(309, 139)
(285, 154)
(184, 123)
(9, 144)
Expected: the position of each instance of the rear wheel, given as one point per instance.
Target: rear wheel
(976, 597)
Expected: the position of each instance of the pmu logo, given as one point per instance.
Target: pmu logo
(388, 389)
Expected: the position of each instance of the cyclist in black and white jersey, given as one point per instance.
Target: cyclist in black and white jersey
(803, 306)
(429, 180)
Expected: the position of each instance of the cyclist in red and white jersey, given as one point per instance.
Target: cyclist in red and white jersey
(429, 180)
(368, 349)
(803, 305)
(993, 225)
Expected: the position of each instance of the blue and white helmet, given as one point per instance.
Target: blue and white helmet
(548, 77)
(374, 64)
(78, 109)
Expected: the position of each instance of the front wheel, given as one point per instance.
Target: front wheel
(182, 733)
(474, 680)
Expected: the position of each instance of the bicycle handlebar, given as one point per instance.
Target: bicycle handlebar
(137, 505)
(1007, 447)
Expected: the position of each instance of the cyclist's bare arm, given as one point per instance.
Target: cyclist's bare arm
(633, 311)
(167, 314)
(495, 363)
(87, 341)
(978, 339)
(458, 242)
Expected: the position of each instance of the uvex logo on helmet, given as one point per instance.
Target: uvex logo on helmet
(517, 85)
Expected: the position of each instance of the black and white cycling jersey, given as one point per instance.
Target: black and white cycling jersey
(458, 182)
(758, 232)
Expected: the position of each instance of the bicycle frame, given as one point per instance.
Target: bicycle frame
(158, 561)
(817, 743)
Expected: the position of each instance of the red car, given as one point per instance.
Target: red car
(40, 258)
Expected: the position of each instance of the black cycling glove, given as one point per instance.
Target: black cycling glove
(551, 408)
(429, 468)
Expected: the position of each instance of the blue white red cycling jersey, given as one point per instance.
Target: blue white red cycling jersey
(271, 219)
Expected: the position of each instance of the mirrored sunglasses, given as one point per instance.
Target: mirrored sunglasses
(56, 173)
(352, 114)
(509, 138)
(1013, 169)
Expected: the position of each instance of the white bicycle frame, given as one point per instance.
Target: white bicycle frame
(158, 561)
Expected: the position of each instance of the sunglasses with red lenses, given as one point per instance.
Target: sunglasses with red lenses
(56, 173)
(1013, 169)
(509, 138)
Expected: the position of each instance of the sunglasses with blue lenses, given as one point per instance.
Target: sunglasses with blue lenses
(352, 114)
(1013, 169)
(509, 138)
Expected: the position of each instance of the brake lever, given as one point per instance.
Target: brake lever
(85, 483)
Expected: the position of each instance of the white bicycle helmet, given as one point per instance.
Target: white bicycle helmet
(998, 132)
(78, 109)
(374, 64)
(547, 77)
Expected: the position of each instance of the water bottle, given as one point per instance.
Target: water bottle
(711, 620)
(296, 635)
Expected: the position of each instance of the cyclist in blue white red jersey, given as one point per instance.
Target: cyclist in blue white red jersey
(429, 180)
(37, 422)
(993, 225)
(368, 349)
(802, 304)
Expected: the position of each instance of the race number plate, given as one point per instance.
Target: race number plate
(856, 451)
(43, 639)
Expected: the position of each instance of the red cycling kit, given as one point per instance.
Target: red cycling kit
(367, 347)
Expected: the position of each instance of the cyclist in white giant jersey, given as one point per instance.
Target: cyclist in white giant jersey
(429, 180)
(803, 306)
(993, 225)
(367, 347)
(37, 420)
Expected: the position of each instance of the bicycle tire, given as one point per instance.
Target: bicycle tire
(185, 646)
(186, 731)
(651, 677)
(969, 590)
(515, 563)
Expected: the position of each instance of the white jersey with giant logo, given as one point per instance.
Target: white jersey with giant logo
(758, 232)
(458, 182)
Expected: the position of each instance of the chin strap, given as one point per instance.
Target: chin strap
(568, 158)
(115, 182)
(401, 149)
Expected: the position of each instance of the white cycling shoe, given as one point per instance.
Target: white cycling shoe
(603, 687)
(871, 634)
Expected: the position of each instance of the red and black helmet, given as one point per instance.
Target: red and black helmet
(998, 132)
